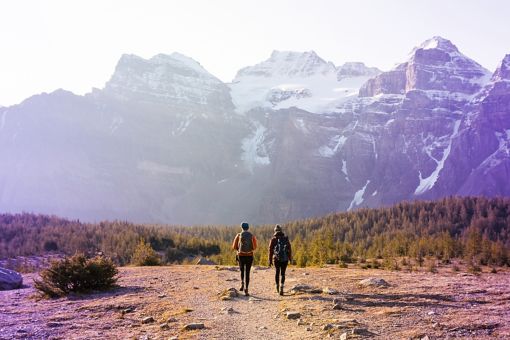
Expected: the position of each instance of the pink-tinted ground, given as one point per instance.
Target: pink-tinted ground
(415, 305)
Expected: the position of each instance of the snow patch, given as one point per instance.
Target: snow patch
(344, 168)
(254, 151)
(334, 144)
(429, 182)
(182, 126)
(117, 121)
(157, 168)
(375, 193)
(300, 124)
(358, 197)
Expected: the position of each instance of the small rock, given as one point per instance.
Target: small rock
(436, 325)
(148, 319)
(301, 322)
(329, 291)
(284, 310)
(301, 288)
(262, 327)
(164, 326)
(337, 306)
(253, 299)
(10, 279)
(193, 326)
(360, 331)
(327, 327)
(204, 261)
(374, 282)
(228, 310)
(173, 338)
(162, 296)
(53, 324)
(171, 320)
(426, 337)
(128, 310)
(308, 329)
(343, 336)
(315, 291)
(431, 313)
(229, 294)
(293, 315)
(195, 288)
(306, 274)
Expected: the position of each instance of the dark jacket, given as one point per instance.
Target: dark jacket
(272, 244)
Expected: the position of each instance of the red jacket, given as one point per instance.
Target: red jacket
(272, 244)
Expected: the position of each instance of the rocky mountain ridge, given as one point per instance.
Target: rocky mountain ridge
(291, 137)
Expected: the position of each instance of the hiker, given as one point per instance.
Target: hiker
(280, 253)
(245, 243)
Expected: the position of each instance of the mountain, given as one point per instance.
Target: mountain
(292, 137)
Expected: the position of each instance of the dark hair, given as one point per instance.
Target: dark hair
(245, 225)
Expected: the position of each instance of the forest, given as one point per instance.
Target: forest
(475, 229)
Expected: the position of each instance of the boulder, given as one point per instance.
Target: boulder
(374, 282)
(205, 261)
(148, 319)
(293, 315)
(9, 279)
(193, 326)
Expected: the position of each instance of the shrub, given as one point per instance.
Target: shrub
(77, 275)
(144, 255)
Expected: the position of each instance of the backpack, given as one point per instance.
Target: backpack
(245, 242)
(281, 249)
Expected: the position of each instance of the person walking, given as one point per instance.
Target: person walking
(245, 243)
(280, 253)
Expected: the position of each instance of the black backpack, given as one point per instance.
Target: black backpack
(281, 249)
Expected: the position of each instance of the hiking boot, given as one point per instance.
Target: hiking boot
(281, 290)
(277, 288)
(242, 287)
(246, 292)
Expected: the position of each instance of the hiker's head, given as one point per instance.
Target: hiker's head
(277, 228)
(245, 226)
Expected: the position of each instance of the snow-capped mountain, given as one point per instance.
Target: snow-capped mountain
(302, 80)
(293, 136)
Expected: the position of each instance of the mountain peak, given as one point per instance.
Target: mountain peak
(289, 64)
(439, 43)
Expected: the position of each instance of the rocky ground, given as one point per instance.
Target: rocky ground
(158, 302)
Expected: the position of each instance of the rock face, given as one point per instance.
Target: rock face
(291, 137)
(9, 279)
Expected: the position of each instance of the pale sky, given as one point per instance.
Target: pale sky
(75, 45)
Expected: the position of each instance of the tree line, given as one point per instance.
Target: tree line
(473, 228)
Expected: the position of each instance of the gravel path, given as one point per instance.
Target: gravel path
(415, 305)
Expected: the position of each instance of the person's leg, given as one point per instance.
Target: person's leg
(248, 263)
(241, 268)
(277, 275)
(283, 269)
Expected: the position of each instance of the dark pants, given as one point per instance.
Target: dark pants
(281, 267)
(245, 263)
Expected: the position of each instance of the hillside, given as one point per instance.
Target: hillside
(413, 306)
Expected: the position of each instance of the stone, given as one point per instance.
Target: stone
(171, 320)
(164, 326)
(329, 291)
(10, 279)
(228, 310)
(301, 288)
(374, 282)
(148, 319)
(204, 261)
(308, 329)
(293, 315)
(327, 327)
(426, 337)
(301, 322)
(193, 326)
(161, 296)
(262, 327)
(128, 310)
(53, 324)
(343, 336)
(360, 331)
(173, 338)
(337, 306)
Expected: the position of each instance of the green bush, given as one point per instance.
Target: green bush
(144, 255)
(77, 275)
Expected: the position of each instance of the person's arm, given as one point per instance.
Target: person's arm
(271, 247)
(235, 244)
(254, 241)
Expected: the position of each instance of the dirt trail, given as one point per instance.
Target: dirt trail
(415, 305)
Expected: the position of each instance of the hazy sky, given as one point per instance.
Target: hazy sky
(45, 45)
